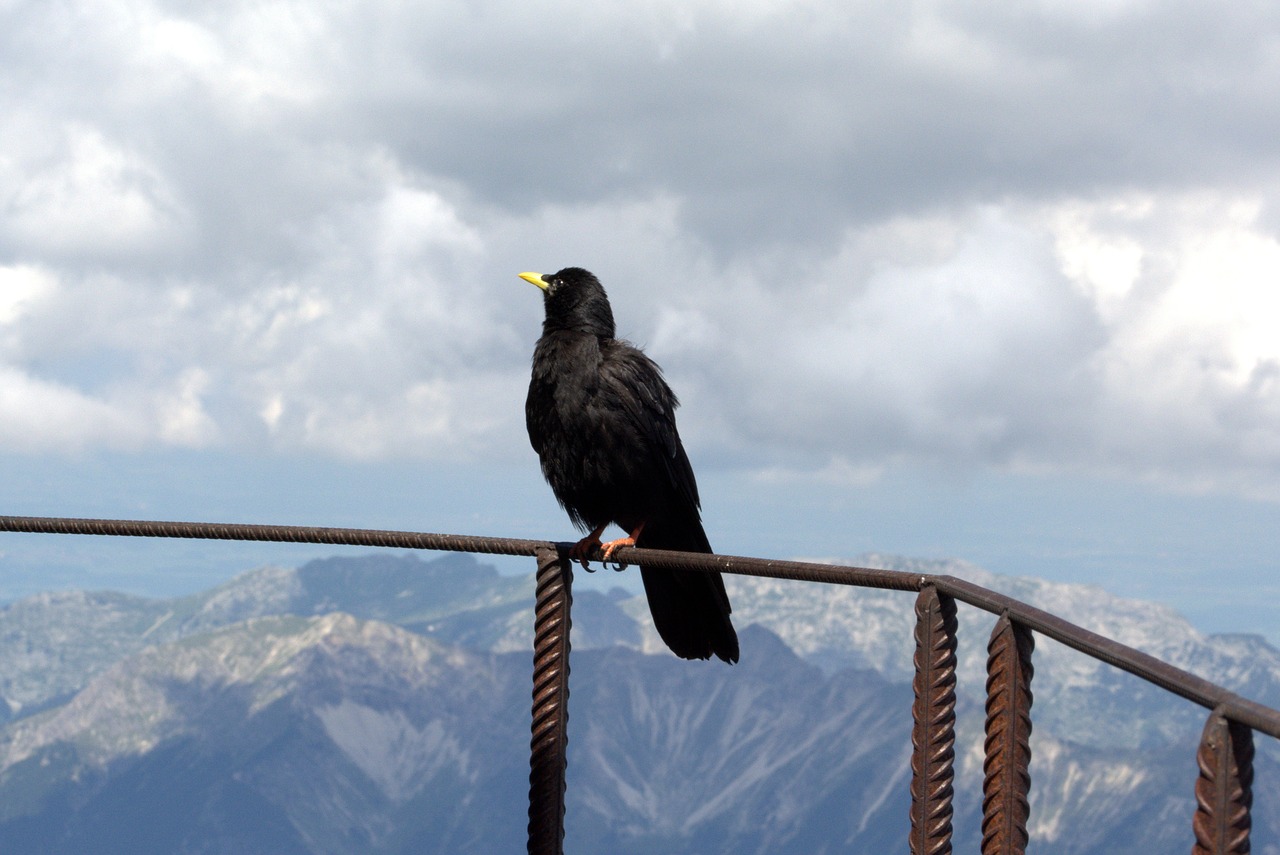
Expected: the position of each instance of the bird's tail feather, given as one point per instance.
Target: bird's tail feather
(690, 608)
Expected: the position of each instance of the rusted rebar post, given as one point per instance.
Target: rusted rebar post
(1224, 790)
(550, 703)
(933, 736)
(1006, 774)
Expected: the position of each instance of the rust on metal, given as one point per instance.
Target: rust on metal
(549, 742)
(1006, 769)
(1145, 666)
(803, 571)
(273, 533)
(1142, 665)
(1224, 790)
(933, 736)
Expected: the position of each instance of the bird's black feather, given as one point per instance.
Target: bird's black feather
(602, 420)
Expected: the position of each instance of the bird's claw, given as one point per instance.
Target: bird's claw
(607, 550)
(580, 551)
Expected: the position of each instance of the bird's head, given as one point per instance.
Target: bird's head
(574, 300)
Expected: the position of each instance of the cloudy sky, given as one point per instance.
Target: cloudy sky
(944, 279)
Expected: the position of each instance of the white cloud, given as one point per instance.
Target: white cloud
(182, 420)
(1227, 289)
(21, 285)
(37, 415)
(1193, 344)
(74, 191)
(253, 58)
(854, 235)
(966, 348)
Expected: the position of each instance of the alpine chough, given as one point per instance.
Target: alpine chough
(602, 420)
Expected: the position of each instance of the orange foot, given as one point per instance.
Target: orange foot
(607, 549)
(587, 546)
(612, 546)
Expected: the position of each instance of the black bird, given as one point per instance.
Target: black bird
(602, 420)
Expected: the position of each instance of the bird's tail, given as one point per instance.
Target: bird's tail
(690, 609)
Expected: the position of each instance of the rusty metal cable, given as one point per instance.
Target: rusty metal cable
(274, 534)
(1143, 665)
(801, 571)
(1169, 677)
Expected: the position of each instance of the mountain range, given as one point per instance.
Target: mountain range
(380, 704)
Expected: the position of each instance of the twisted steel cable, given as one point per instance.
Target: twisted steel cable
(1143, 665)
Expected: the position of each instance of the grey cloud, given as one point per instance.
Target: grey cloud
(974, 358)
(781, 124)
(796, 122)
(832, 224)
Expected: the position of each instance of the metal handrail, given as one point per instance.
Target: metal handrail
(1223, 791)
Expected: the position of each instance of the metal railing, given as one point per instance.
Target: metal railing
(1221, 823)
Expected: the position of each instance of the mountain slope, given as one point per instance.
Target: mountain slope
(333, 735)
(838, 626)
(52, 644)
(216, 724)
(310, 735)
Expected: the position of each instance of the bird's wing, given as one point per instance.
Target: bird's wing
(650, 407)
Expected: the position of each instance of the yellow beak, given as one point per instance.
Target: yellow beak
(535, 279)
